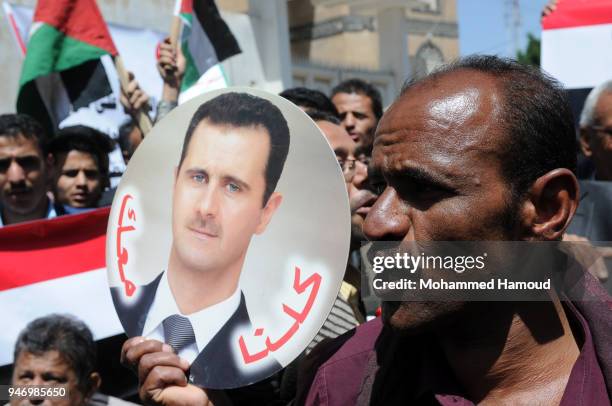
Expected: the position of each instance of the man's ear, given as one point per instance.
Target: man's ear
(274, 201)
(552, 202)
(585, 141)
(94, 384)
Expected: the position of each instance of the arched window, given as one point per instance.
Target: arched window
(427, 58)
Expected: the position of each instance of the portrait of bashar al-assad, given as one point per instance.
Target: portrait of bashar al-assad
(232, 157)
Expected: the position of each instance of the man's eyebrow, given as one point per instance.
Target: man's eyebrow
(416, 175)
(196, 171)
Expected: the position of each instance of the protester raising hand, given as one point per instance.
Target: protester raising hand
(133, 97)
(171, 66)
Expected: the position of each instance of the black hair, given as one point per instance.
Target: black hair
(70, 337)
(246, 110)
(317, 115)
(83, 139)
(125, 130)
(310, 99)
(362, 87)
(535, 116)
(13, 125)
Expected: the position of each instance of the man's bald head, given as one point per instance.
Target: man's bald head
(532, 111)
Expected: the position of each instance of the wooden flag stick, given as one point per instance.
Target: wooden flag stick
(175, 31)
(142, 118)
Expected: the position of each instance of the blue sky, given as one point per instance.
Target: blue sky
(482, 25)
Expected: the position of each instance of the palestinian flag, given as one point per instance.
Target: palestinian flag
(55, 266)
(206, 39)
(62, 71)
(577, 46)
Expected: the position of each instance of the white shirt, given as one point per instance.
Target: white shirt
(206, 322)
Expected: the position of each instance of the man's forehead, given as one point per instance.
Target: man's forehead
(51, 358)
(77, 158)
(235, 148)
(441, 120)
(19, 142)
(352, 101)
(336, 135)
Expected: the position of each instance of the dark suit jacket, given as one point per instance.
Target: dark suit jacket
(215, 367)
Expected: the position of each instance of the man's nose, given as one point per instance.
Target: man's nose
(209, 203)
(15, 172)
(361, 175)
(349, 120)
(387, 219)
(81, 179)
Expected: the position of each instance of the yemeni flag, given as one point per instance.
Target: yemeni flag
(55, 266)
(206, 40)
(62, 71)
(577, 46)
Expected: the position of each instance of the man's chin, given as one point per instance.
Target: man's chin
(412, 317)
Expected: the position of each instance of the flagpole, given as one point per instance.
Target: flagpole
(175, 31)
(142, 118)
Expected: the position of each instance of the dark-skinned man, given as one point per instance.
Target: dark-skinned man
(481, 150)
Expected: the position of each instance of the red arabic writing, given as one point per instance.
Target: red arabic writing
(122, 252)
(300, 287)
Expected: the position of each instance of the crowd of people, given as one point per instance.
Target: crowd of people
(480, 149)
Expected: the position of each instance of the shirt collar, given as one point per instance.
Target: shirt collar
(206, 323)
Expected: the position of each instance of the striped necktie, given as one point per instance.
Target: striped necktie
(178, 332)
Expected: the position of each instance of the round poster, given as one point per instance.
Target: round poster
(229, 235)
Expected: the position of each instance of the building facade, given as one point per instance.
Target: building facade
(314, 43)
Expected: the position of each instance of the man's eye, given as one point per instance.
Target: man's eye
(26, 377)
(199, 178)
(232, 187)
(72, 173)
(91, 174)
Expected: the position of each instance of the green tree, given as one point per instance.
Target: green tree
(531, 55)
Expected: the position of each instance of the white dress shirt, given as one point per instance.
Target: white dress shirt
(206, 322)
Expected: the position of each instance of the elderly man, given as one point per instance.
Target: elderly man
(480, 150)
(23, 183)
(596, 130)
(60, 351)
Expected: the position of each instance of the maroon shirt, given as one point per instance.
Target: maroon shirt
(373, 366)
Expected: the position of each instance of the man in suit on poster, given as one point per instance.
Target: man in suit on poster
(224, 192)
